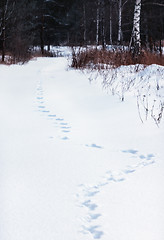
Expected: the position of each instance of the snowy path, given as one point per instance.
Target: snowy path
(76, 163)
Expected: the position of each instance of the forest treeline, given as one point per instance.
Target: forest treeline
(28, 23)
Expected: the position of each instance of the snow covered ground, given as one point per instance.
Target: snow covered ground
(76, 162)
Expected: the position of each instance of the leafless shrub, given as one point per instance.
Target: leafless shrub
(144, 82)
(103, 59)
(157, 116)
(20, 54)
(37, 53)
(146, 108)
(8, 59)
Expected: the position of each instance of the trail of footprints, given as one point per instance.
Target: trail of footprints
(62, 128)
(57, 122)
(85, 196)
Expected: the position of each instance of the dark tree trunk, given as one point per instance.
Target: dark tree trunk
(3, 45)
(3, 31)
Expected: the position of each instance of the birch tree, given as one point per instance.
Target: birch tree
(97, 22)
(110, 23)
(135, 43)
(119, 21)
(121, 5)
(103, 23)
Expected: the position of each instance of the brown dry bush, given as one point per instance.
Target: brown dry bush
(21, 57)
(100, 59)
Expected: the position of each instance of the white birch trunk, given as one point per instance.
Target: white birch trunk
(97, 23)
(110, 26)
(136, 38)
(103, 23)
(119, 21)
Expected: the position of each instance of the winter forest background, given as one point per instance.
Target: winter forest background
(82, 119)
(28, 23)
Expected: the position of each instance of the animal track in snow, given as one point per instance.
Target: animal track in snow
(86, 195)
(94, 231)
(59, 119)
(90, 205)
(94, 216)
(64, 124)
(41, 106)
(63, 128)
(141, 156)
(52, 115)
(132, 151)
(64, 138)
(93, 145)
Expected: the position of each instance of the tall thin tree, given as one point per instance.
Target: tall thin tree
(135, 42)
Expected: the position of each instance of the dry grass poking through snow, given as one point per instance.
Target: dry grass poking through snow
(121, 74)
(103, 59)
